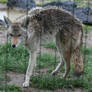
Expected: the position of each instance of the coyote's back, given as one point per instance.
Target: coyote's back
(65, 28)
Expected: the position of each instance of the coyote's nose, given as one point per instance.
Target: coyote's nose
(13, 46)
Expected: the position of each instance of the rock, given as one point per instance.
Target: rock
(22, 4)
(62, 4)
(67, 5)
(84, 14)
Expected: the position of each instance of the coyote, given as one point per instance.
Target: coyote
(48, 22)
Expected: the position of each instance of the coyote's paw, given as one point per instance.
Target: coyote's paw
(25, 84)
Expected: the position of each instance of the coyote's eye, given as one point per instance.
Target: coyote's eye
(11, 34)
(19, 35)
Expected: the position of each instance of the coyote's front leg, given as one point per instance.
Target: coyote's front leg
(30, 68)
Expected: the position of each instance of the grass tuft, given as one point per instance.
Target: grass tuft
(3, 1)
(87, 28)
(87, 51)
(50, 45)
(46, 60)
(14, 88)
(14, 59)
(55, 82)
(18, 57)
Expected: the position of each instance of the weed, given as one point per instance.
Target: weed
(3, 1)
(87, 51)
(46, 60)
(50, 45)
(13, 88)
(54, 82)
(13, 59)
(87, 28)
(16, 58)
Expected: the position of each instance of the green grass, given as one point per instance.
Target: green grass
(46, 60)
(50, 45)
(55, 82)
(81, 3)
(45, 91)
(44, 2)
(10, 88)
(87, 28)
(87, 51)
(3, 1)
(14, 88)
(17, 58)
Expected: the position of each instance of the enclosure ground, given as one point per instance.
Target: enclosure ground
(18, 78)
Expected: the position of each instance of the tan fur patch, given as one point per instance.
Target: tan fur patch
(78, 61)
(14, 40)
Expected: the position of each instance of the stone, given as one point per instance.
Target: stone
(84, 14)
(22, 4)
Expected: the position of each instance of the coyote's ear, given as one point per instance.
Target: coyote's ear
(7, 21)
(26, 22)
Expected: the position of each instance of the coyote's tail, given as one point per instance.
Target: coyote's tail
(78, 62)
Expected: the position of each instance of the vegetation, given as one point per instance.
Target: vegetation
(81, 3)
(17, 58)
(14, 58)
(14, 88)
(87, 28)
(3, 1)
(50, 45)
(10, 88)
(53, 82)
(46, 60)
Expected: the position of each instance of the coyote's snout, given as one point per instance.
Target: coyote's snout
(49, 21)
(14, 41)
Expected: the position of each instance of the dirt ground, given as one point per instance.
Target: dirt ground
(18, 79)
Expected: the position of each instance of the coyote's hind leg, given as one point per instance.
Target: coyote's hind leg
(59, 48)
(58, 66)
(67, 57)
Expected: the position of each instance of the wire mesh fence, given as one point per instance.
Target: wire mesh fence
(15, 60)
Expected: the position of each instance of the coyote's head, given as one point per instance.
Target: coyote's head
(16, 33)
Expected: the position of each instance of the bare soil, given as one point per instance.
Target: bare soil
(18, 79)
